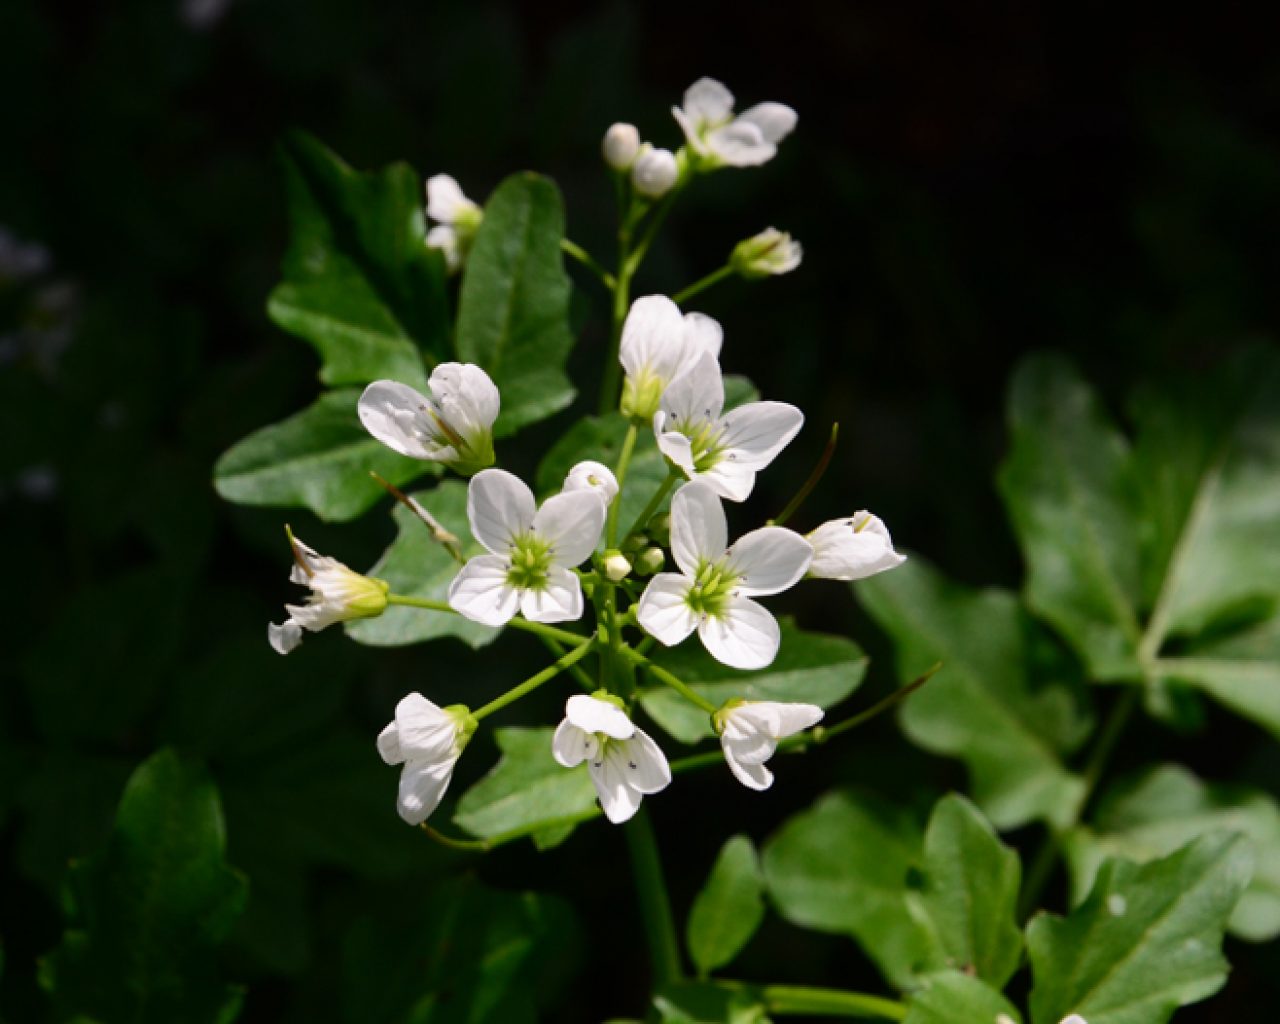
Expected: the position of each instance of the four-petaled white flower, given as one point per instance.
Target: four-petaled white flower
(532, 551)
(452, 424)
(725, 451)
(428, 740)
(719, 138)
(713, 590)
(657, 344)
(624, 762)
(749, 733)
(458, 220)
(852, 549)
(771, 252)
(592, 476)
(337, 594)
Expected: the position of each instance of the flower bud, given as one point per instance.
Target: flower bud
(770, 252)
(660, 530)
(621, 145)
(616, 565)
(654, 171)
(650, 560)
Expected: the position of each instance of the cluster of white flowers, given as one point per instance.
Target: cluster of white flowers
(674, 387)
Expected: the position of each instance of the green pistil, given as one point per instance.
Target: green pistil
(704, 443)
(711, 590)
(530, 563)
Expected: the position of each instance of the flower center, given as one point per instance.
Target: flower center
(704, 442)
(530, 562)
(712, 587)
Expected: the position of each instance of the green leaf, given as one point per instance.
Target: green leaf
(729, 907)
(526, 788)
(1166, 807)
(1209, 460)
(1146, 941)
(319, 458)
(968, 896)
(692, 1002)
(152, 907)
(953, 997)
(1068, 487)
(513, 312)
(988, 704)
(461, 954)
(841, 867)
(359, 282)
(1241, 671)
(811, 668)
(416, 566)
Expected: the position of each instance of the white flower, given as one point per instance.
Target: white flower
(592, 476)
(725, 451)
(459, 219)
(428, 740)
(654, 172)
(719, 138)
(337, 594)
(452, 424)
(771, 252)
(749, 733)
(532, 553)
(657, 344)
(623, 761)
(713, 590)
(852, 549)
(620, 146)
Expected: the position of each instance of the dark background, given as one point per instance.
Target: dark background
(970, 182)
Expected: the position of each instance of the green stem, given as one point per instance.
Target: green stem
(587, 260)
(673, 681)
(656, 217)
(610, 381)
(620, 474)
(824, 460)
(510, 836)
(642, 520)
(577, 671)
(536, 680)
(655, 905)
(830, 1002)
(538, 628)
(702, 284)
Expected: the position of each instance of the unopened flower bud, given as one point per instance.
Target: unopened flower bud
(650, 560)
(621, 145)
(616, 565)
(770, 252)
(660, 530)
(654, 171)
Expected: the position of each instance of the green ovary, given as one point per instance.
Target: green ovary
(712, 587)
(530, 563)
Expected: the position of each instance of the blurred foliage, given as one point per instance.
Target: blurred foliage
(968, 185)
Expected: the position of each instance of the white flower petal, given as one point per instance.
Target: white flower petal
(481, 591)
(445, 199)
(284, 637)
(500, 507)
(752, 775)
(793, 717)
(702, 334)
(769, 560)
(468, 398)
(389, 744)
(662, 611)
(595, 477)
(445, 239)
(699, 531)
(775, 120)
(691, 129)
(647, 763)
(697, 392)
(422, 786)
(591, 714)
(571, 524)
(560, 600)
(609, 775)
(425, 732)
(731, 481)
(652, 337)
(749, 742)
(755, 433)
(674, 445)
(394, 414)
(708, 102)
(852, 549)
(745, 635)
(316, 615)
(740, 144)
(570, 746)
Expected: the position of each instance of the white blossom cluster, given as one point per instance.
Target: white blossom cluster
(534, 553)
